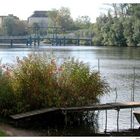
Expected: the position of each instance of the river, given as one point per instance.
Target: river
(116, 66)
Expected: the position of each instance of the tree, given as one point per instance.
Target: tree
(128, 31)
(53, 14)
(9, 25)
(83, 22)
(13, 26)
(118, 9)
(120, 27)
(119, 36)
(62, 18)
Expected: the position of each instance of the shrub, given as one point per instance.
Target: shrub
(38, 81)
(33, 81)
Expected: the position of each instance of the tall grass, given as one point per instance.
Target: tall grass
(7, 98)
(39, 81)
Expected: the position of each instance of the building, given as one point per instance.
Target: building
(39, 17)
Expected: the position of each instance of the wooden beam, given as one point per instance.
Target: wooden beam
(107, 106)
(33, 113)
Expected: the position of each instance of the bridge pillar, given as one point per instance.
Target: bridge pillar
(90, 42)
(38, 40)
(60, 41)
(78, 42)
(11, 43)
(64, 41)
(30, 41)
(27, 42)
(34, 42)
(56, 41)
(53, 42)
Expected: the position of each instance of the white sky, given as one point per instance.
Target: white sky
(24, 8)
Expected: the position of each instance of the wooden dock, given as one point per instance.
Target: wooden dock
(33, 113)
(107, 106)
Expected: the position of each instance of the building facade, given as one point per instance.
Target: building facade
(39, 17)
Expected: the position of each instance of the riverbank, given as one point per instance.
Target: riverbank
(9, 130)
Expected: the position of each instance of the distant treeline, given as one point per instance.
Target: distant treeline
(120, 27)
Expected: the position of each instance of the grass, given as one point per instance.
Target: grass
(2, 133)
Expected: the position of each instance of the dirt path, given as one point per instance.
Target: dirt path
(12, 131)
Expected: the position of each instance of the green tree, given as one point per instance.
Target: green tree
(13, 26)
(9, 25)
(128, 31)
(53, 14)
(62, 18)
(120, 27)
(82, 22)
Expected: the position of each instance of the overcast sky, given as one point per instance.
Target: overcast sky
(24, 8)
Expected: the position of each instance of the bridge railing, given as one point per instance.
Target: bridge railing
(14, 37)
(43, 37)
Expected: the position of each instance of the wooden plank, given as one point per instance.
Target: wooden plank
(107, 106)
(33, 113)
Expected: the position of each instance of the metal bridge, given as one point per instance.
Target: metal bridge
(53, 39)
